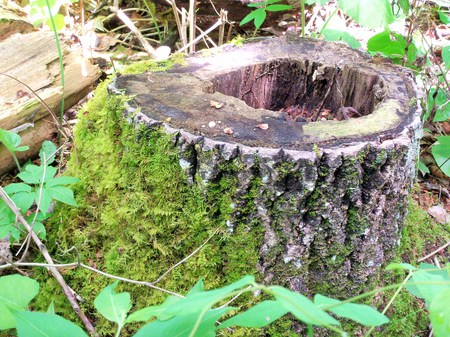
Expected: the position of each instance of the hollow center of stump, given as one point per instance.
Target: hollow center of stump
(302, 90)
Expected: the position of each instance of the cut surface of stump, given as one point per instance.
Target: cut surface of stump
(327, 137)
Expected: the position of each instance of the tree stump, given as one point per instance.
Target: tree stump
(331, 194)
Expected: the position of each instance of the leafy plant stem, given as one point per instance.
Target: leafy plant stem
(328, 21)
(391, 300)
(310, 330)
(61, 64)
(16, 160)
(150, 12)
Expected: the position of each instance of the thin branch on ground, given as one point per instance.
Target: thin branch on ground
(434, 252)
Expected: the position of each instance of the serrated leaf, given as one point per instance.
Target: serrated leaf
(441, 153)
(63, 194)
(278, 8)
(16, 292)
(337, 35)
(183, 325)
(47, 152)
(40, 324)
(361, 313)
(405, 266)
(369, 13)
(440, 313)
(258, 316)
(113, 306)
(302, 308)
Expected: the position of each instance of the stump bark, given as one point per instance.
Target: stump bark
(331, 195)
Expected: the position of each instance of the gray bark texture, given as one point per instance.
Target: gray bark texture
(331, 195)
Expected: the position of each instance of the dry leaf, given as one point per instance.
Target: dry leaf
(228, 131)
(439, 214)
(262, 126)
(215, 104)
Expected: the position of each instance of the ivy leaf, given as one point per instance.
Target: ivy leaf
(258, 316)
(369, 13)
(113, 306)
(361, 313)
(302, 308)
(440, 313)
(40, 324)
(16, 292)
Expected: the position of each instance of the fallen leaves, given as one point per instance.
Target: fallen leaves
(439, 214)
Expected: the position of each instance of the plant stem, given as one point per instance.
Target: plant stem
(328, 21)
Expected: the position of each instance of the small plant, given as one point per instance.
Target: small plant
(259, 14)
(39, 188)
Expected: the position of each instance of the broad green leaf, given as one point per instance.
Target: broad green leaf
(24, 200)
(258, 316)
(444, 17)
(404, 5)
(446, 56)
(44, 199)
(183, 325)
(302, 308)
(40, 324)
(423, 168)
(441, 153)
(17, 187)
(278, 8)
(39, 229)
(257, 4)
(249, 17)
(260, 17)
(369, 13)
(11, 141)
(113, 306)
(16, 292)
(337, 35)
(51, 308)
(405, 266)
(61, 181)
(441, 103)
(158, 311)
(34, 174)
(440, 314)
(47, 153)
(387, 43)
(361, 313)
(428, 282)
(63, 194)
(269, 2)
(201, 300)
(59, 22)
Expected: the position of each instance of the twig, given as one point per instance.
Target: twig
(56, 274)
(192, 20)
(186, 258)
(434, 252)
(198, 38)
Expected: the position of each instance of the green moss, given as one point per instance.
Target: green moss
(138, 216)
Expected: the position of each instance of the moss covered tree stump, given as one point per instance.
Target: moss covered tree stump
(320, 140)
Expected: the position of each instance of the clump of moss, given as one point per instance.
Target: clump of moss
(138, 216)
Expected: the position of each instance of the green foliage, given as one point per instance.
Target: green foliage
(43, 11)
(337, 35)
(369, 13)
(441, 153)
(258, 16)
(39, 187)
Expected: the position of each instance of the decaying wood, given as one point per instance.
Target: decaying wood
(332, 195)
(13, 20)
(33, 59)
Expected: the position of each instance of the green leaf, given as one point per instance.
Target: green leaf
(47, 153)
(22, 148)
(257, 4)
(337, 35)
(441, 100)
(441, 153)
(440, 313)
(17, 187)
(405, 266)
(63, 194)
(24, 200)
(158, 311)
(260, 17)
(16, 292)
(113, 306)
(361, 313)
(302, 308)
(387, 43)
(61, 181)
(404, 5)
(369, 13)
(259, 316)
(10, 140)
(51, 308)
(59, 22)
(423, 168)
(444, 17)
(44, 199)
(34, 174)
(446, 56)
(182, 325)
(278, 8)
(40, 324)
(249, 17)
(428, 282)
